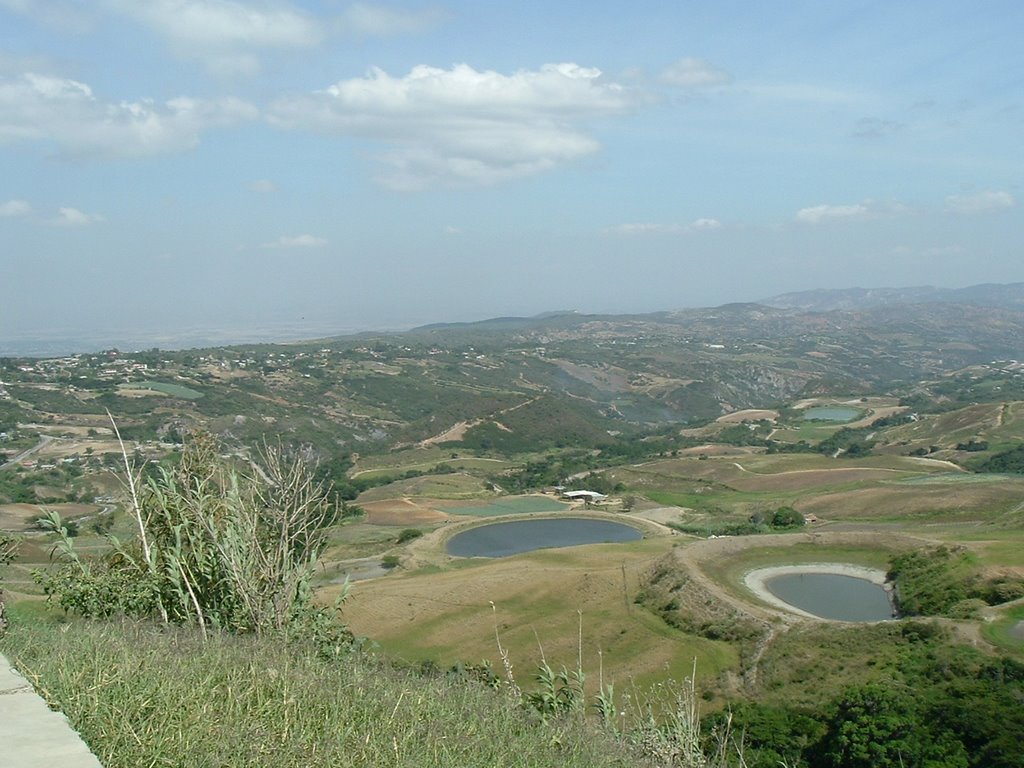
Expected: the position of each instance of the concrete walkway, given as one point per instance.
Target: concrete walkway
(31, 734)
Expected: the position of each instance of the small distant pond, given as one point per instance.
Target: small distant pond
(516, 536)
(1017, 631)
(831, 413)
(832, 596)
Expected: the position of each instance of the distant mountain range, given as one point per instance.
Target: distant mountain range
(999, 295)
(777, 316)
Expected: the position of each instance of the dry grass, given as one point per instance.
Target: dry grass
(750, 414)
(453, 486)
(20, 517)
(446, 616)
(966, 502)
(402, 512)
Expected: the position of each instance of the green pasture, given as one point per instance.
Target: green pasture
(808, 431)
(509, 505)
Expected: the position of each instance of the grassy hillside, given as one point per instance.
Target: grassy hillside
(235, 701)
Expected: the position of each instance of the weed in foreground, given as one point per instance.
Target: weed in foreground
(663, 727)
(145, 694)
(215, 549)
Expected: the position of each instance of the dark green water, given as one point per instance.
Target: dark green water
(831, 413)
(833, 596)
(515, 536)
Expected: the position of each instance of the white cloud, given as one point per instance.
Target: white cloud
(264, 186)
(296, 241)
(648, 228)
(376, 21)
(225, 34)
(450, 230)
(643, 228)
(706, 224)
(868, 209)
(980, 202)
(14, 208)
(694, 73)
(72, 217)
(818, 213)
(462, 127)
(66, 112)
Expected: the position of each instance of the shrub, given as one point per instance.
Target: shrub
(408, 534)
(787, 517)
(7, 549)
(215, 547)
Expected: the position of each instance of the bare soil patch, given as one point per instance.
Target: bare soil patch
(19, 517)
(402, 512)
(456, 433)
(719, 450)
(750, 414)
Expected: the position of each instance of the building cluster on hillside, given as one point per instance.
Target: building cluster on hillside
(1008, 366)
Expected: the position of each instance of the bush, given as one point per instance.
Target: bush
(7, 550)
(408, 534)
(215, 548)
(787, 517)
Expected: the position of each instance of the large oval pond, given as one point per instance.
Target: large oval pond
(832, 596)
(515, 536)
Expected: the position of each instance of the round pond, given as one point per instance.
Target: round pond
(835, 592)
(515, 536)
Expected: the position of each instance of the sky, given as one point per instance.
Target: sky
(237, 169)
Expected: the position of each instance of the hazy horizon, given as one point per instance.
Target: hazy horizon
(184, 168)
(60, 342)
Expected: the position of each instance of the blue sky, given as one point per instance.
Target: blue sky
(242, 167)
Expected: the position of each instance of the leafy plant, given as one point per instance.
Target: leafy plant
(8, 547)
(216, 547)
(408, 534)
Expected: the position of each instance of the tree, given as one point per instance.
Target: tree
(876, 726)
(787, 517)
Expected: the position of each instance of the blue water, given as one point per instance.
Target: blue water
(833, 596)
(516, 536)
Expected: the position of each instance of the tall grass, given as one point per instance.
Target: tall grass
(7, 549)
(214, 548)
(145, 695)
